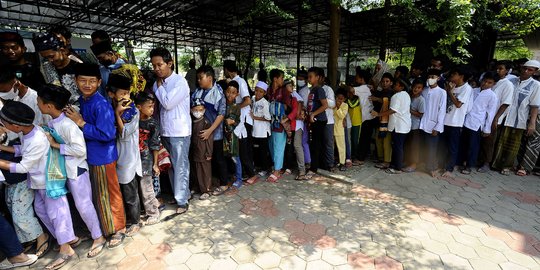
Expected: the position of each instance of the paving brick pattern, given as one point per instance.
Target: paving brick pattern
(378, 221)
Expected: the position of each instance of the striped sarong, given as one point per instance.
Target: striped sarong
(508, 147)
(107, 198)
(530, 148)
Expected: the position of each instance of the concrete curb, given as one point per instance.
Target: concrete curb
(338, 177)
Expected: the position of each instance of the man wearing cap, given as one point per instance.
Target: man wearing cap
(57, 54)
(214, 102)
(521, 119)
(13, 49)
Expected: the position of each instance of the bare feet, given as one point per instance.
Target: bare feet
(434, 173)
(448, 174)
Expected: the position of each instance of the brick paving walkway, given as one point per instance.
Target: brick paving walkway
(378, 221)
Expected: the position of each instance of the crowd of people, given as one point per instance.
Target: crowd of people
(84, 144)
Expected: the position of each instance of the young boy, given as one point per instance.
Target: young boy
(399, 123)
(297, 128)
(97, 121)
(230, 142)
(363, 92)
(383, 139)
(432, 122)
(316, 107)
(459, 94)
(52, 100)
(201, 150)
(51, 205)
(303, 92)
(355, 113)
(149, 145)
(412, 144)
(261, 129)
(478, 121)
(128, 167)
(340, 112)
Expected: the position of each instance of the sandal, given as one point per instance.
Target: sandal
(42, 252)
(6, 264)
(287, 172)
(382, 166)
(505, 172)
(272, 178)
(63, 258)
(252, 180)
(218, 191)
(483, 169)
(521, 172)
(133, 230)
(392, 171)
(204, 196)
(300, 177)
(118, 237)
(309, 175)
(409, 170)
(101, 247)
(152, 221)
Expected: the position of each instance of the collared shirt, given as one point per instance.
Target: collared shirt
(400, 121)
(244, 92)
(526, 95)
(304, 93)
(74, 148)
(129, 156)
(504, 89)
(173, 96)
(34, 149)
(214, 103)
(434, 110)
(331, 99)
(261, 108)
(484, 107)
(456, 116)
(99, 131)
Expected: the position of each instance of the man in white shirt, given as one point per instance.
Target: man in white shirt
(230, 70)
(459, 94)
(172, 91)
(520, 119)
(478, 121)
(432, 122)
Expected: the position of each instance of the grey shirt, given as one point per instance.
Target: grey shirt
(417, 104)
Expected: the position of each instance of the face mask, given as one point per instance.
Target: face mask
(12, 94)
(198, 114)
(431, 82)
(301, 83)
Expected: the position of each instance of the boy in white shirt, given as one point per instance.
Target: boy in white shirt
(478, 120)
(52, 100)
(368, 122)
(128, 166)
(504, 90)
(459, 94)
(51, 205)
(399, 123)
(432, 122)
(261, 129)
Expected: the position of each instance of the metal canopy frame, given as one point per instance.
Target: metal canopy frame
(207, 24)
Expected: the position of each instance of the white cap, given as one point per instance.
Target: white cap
(262, 85)
(532, 63)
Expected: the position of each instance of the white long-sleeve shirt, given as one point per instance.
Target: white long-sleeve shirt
(129, 156)
(245, 116)
(456, 116)
(504, 89)
(173, 96)
(363, 94)
(331, 99)
(74, 146)
(34, 149)
(434, 111)
(484, 108)
(526, 95)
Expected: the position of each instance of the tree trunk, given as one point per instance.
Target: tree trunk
(384, 37)
(333, 49)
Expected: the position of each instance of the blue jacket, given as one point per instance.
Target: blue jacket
(99, 130)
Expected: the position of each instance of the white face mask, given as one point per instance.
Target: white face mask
(431, 82)
(301, 83)
(198, 114)
(12, 94)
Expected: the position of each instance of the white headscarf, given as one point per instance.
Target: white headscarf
(378, 75)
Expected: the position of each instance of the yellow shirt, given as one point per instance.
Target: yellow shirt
(355, 112)
(339, 116)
